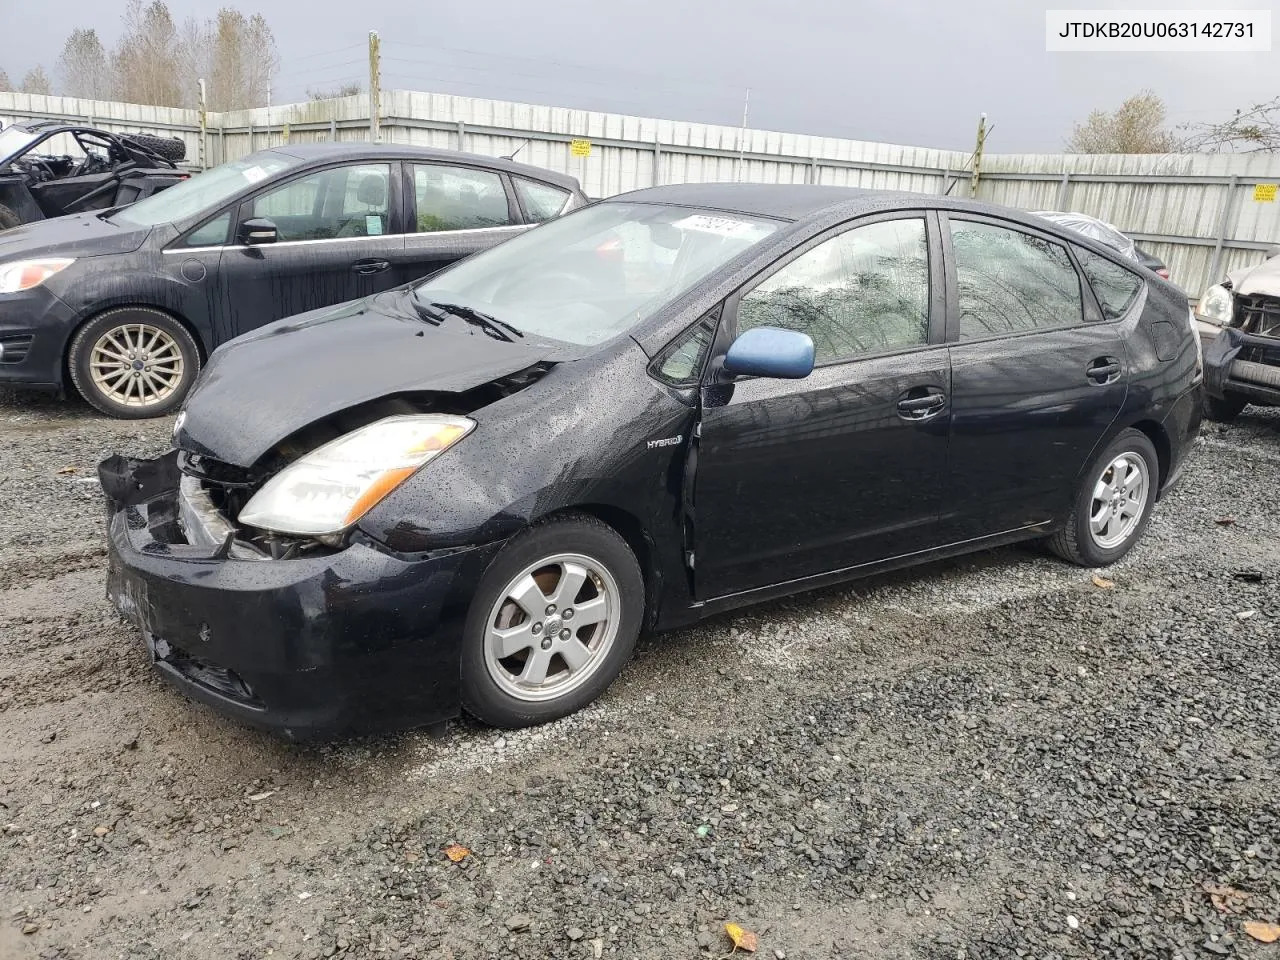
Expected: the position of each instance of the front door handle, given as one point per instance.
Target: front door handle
(921, 403)
(367, 267)
(1104, 370)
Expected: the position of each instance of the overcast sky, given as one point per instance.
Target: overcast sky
(902, 71)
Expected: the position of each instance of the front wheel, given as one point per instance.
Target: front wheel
(134, 362)
(552, 624)
(1113, 503)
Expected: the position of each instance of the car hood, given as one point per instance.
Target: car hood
(266, 385)
(1263, 278)
(78, 235)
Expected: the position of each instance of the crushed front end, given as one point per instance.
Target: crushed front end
(301, 637)
(1243, 359)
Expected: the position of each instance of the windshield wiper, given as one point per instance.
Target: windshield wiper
(428, 313)
(490, 324)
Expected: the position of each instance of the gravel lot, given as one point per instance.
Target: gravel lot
(992, 757)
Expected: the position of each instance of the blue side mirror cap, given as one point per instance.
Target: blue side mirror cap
(770, 352)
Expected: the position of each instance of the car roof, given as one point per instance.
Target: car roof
(316, 152)
(799, 202)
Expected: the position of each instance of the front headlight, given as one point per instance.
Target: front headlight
(333, 486)
(25, 274)
(1215, 305)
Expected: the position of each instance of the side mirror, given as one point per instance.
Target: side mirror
(258, 231)
(770, 352)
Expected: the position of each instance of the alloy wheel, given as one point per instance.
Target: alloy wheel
(1119, 500)
(552, 627)
(136, 365)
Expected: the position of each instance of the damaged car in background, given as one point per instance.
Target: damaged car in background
(473, 492)
(1240, 324)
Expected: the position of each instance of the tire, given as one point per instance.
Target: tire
(502, 691)
(1224, 409)
(1078, 542)
(170, 358)
(171, 148)
(8, 219)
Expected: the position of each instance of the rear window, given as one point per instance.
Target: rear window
(1115, 287)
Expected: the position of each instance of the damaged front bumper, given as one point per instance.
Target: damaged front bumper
(1244, 365)
(352, 640)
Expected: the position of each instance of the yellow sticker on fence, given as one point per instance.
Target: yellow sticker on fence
(582, 148)
(1265, 192)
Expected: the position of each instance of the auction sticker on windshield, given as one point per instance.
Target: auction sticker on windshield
(724, 227)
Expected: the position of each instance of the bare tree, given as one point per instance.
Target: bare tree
(5, 83)
(36, 81)
(147, 62)
(235, 54)
(345, 90)
(83, 67)
(1253, 130)
(1137, 126)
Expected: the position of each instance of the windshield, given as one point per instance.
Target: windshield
(204, 192)
(592, 275)
(13, 141)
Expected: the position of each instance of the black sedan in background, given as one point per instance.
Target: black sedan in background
(476, 491)
(127, 303)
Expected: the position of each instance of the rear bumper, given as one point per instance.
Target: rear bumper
(34, 327)
(357, 640)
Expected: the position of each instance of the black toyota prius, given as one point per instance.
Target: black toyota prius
(125, 304)
(472, 493)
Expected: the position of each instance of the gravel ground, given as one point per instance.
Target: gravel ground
(992, 757)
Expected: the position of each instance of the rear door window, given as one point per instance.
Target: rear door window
(1115, 287)
(458, 198)
(1012, 282)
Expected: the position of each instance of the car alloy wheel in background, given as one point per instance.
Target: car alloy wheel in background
(134, 363)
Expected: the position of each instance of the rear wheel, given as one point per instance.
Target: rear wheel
(1113, 503)
(1224, 409)
(134, 362)
(552, 624)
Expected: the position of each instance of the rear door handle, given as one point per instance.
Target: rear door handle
(366, 267)
(1104, 370)
(920, 405)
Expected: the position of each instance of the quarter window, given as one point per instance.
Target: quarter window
(865, 291)
(211, 234)
(456, 198)
(682, 361)
(541, 201)
(330, 205)
(1115, 287)
(1012, 282)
